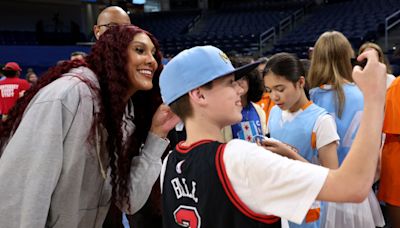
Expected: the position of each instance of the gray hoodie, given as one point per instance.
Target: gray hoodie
(50, 176)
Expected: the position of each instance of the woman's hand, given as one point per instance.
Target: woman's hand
(163, 121)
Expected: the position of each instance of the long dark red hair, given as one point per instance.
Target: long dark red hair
(108, 60)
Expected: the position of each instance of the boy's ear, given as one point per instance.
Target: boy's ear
(197, 96)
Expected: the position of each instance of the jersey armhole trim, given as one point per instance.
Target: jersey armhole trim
(230, 192)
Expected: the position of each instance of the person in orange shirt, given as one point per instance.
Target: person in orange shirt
(266, 103)
(389, 188)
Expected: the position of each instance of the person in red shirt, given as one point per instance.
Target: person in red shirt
(11, 88)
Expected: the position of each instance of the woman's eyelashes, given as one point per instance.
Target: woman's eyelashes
(278, 89)
(143, 51)
(139, 50)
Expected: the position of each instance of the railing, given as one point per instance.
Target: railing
(90, 43)
(266, 36)
(390, 25)
(287, 22)
(193, 23)
(297, 15)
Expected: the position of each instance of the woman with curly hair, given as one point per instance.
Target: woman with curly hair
(91, 133)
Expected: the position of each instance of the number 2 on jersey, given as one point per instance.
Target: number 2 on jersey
(187, 216)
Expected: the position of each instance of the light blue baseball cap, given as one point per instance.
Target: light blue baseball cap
(195, 67)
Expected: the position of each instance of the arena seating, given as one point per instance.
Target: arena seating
(235, 28)
(232, 31)
(45, 38)
(358, 20)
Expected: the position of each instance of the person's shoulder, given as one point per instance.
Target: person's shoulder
(393, 92)
(237, 142)
(315, 108)
(391, 76)
(275, 110)
(240, 146)
(68, 86)
(352, 86)
(314, 92)
(60, 88)
(258, 108)
(352, 92)
(322, 88)
(6, 81)
(23, 82)
(324, 122)
(244, 153)
(326, 116)
(395, 84)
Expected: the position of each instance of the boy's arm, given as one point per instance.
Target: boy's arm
(266, 183)
(359, 167)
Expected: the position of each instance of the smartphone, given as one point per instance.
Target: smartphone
(354, 62)
(259, 138)
(262, 138)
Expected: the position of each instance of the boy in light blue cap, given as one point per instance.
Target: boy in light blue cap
(206, 183)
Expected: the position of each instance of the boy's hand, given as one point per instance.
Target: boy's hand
(372, 79)
(278, 147)
(163, 121)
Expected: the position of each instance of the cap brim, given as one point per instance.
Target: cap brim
(243, 70)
